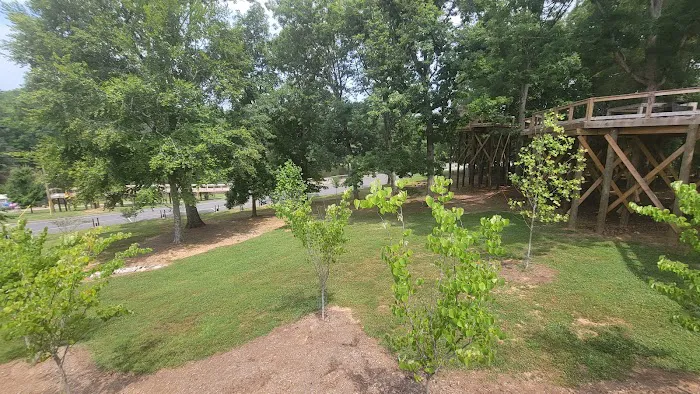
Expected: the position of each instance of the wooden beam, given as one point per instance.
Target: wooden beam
(662, 155)
(576, 201)
(687, 160)
(645, 151)
(634, 172)
(650, 176)
(600, 166)
(607, 179)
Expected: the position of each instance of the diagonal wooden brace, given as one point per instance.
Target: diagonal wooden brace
(642, 183)
(601, 168)
(650, 176)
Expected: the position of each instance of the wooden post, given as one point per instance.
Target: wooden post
(589, 109)
(607, 179)
(459, 156)
(687, 160)
(576, 201)
(472, 159)
(636, 161)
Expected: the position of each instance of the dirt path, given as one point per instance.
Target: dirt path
(310, 356)
(303, 357)
(215, 234)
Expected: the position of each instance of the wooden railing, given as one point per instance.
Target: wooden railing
(644, 109)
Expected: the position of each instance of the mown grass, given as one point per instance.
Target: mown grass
(211, 302)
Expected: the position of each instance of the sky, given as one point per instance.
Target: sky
(12, 75)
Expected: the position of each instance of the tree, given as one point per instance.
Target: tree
(141, 84)
(50, 295)
(687, 293)
(546, 180)
(250, 185)
(638, 44)
(521, 50)
(408, 58)
(23, 187)
(324, 237)
(454, 323)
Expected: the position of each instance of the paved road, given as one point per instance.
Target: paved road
(112, 218)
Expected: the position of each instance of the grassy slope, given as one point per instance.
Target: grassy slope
(208, 303)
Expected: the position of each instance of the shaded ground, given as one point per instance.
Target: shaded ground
(215, 234)
(310, 356)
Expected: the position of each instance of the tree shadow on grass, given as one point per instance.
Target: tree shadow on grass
(605, 353)
(642, 260)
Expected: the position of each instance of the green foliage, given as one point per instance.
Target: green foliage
(290, 190)
(633, 45)
(547, 179)
(50, 295)
(324, 237)
(456, 323)
(687, 294)
(24, 188)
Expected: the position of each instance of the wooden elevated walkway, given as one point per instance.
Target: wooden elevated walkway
(659, 112)
(625, 136)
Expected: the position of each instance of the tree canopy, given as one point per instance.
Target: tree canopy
(183, 92)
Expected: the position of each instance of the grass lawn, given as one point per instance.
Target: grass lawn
(211, 302)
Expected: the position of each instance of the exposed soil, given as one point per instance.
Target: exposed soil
(303, 357)
(586, 329)
(215, 234)
(515, 273)
(311, 356)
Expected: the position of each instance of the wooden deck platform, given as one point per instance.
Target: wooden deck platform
(659, 112)
(626, 136)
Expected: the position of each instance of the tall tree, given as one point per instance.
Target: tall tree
(521, 50)
(407, 53)
(638, 44)
(155, 75)
(315, 55)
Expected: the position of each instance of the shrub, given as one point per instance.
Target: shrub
(454, 321)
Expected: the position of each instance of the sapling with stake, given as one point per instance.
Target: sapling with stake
(547, 179)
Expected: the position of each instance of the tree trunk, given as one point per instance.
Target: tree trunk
(177, 225)
(355, 192)
(523, 103)
(48, 193)
(64, 377)
(193, 218)
(255, 210)
(529, 242)
(430, 154)
(323, 302)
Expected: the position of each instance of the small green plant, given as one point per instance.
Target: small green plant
(48, 296)
(130, 213)
(687, 294)
(336, 182)
(322, 237)
(449, 321)
(546, 180)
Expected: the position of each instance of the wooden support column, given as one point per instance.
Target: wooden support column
(607, 180)
(636, 161)
(687, 160)
(470, 160)
(576, 201)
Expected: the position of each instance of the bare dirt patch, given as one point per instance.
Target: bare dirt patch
(515, 273)
(640, 381)
(303, 357)
(586, 329)
(473, 200)
(215, 234)
(311, 356)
